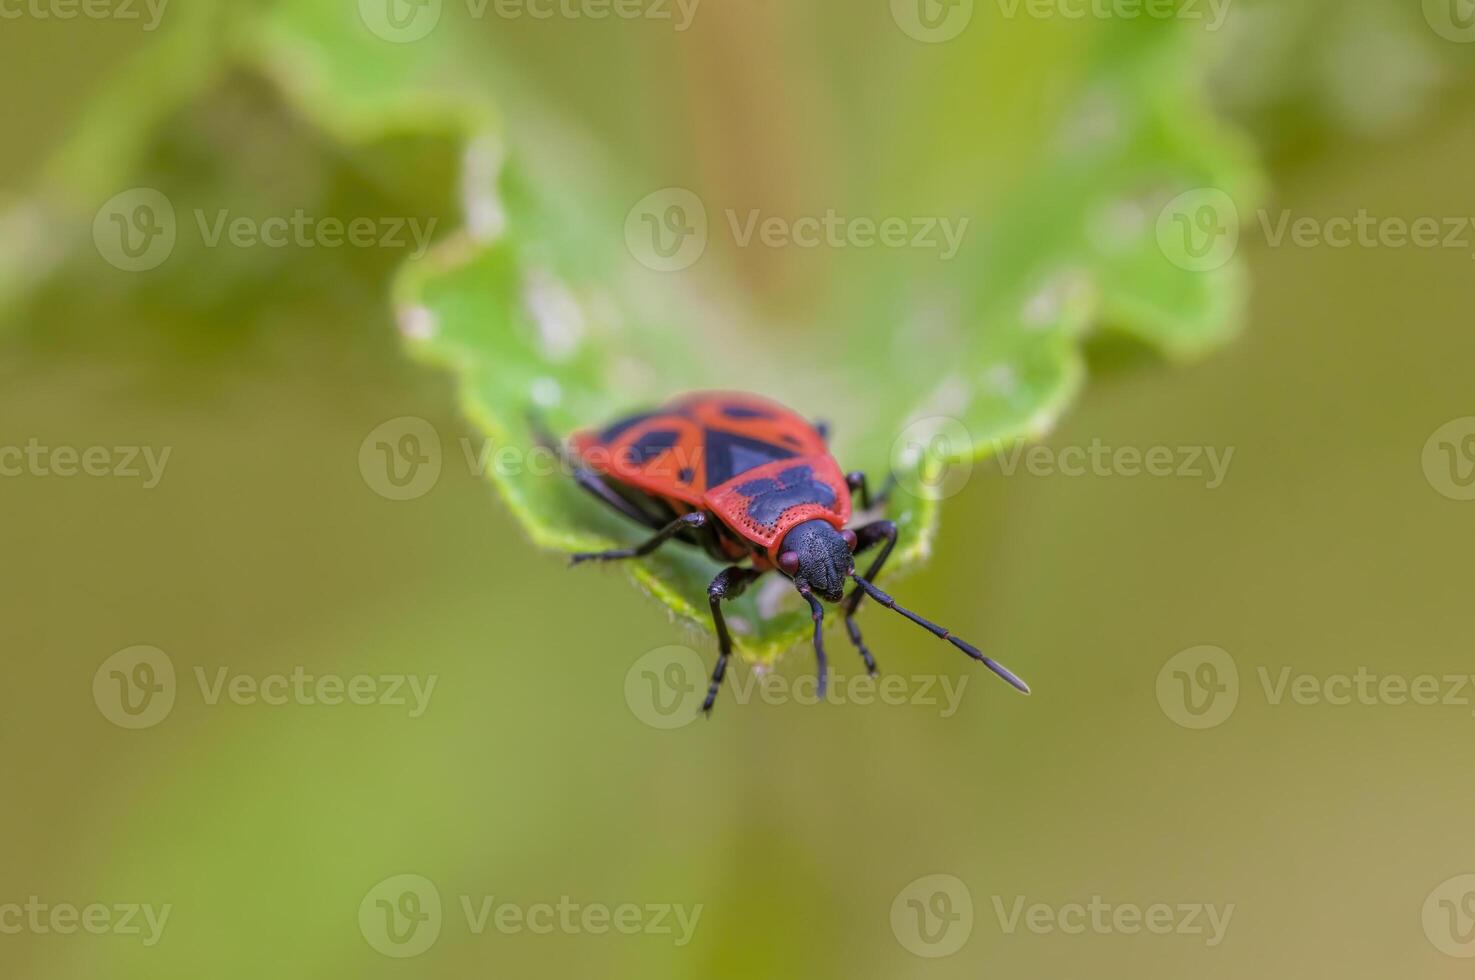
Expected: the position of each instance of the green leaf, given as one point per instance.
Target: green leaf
(1060, 144)
(536, 308)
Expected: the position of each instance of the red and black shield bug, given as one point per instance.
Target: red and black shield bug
(747, 480)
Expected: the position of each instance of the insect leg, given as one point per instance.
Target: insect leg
(729, 584)
(693, 520)
(817, 613)
(867, 537)
(857, 483)
(587, 478)
(590, 481)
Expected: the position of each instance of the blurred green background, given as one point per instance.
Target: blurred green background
(798, 829)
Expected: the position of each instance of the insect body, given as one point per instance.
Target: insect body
(748, 481)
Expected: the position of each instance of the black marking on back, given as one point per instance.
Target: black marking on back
(729, 455)
(651, 445)
(744, 412)
(686, 474)
(757, 488)
(619, 428)
(794, 486)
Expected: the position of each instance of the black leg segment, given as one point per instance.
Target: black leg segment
(602, 492)
(693, 520)
(865, 538)
(817, 613)
(858, 486)
(729, 584)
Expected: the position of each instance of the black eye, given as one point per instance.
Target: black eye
(849, 537)
(789, 562)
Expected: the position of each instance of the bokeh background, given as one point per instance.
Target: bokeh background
(1332, 545)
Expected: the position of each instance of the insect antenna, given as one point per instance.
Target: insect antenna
(817, 613)
(968, 648)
